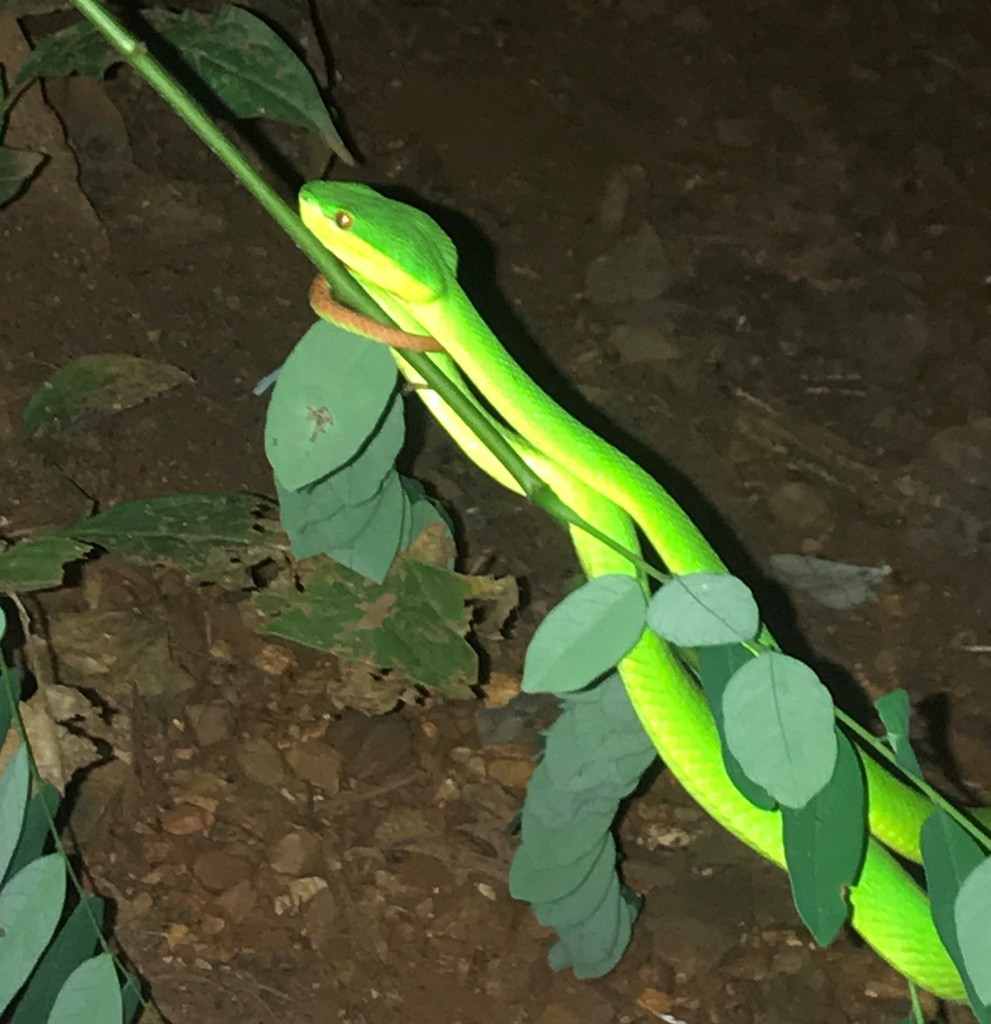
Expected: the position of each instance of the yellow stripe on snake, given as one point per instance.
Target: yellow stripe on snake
(407, 263)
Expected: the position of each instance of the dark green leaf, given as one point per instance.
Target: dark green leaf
(38, 818)
(215, 538)
(17, 168)
(73, 943)
(949, 855)
(241, 61)
(30, 906)
(96, 385)
(825, 842)
(39, 563)
(894, 711)
(716, 666)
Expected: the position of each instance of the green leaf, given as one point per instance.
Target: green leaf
(825, 843)
(414, 622)
(74, 942)
(37, 828)
(94, 386)
(972, 916)
(80, 49)
(315, 518)
(30, 906)
(422, 512)
(779, 726)
(600, 883)
(566, 844)
(244, 65)
(90, 996)
(949, 855)
(894, 711)
(131, 998)
(585, 636)
(532, 880)
(716, 666)
(372, 550)
(39, 563)
(704, 609)
(331, 395)
(14, 785)
(17, 168)
(215, 538)
(249, 69)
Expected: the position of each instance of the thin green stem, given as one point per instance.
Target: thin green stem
(343, 285)
(932, 794)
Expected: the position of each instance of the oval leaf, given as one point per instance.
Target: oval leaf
(91, 995)
(30, 906)
(894, 711)
(825, 842)
(588, 633)
(74, 942)
(716, 667)
(972, 914)
(704, 609)
(97, 385)
(328, 400)
(949, 855)
(779, 726)
(14, 785)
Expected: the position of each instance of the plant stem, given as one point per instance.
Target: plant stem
(343, 285)
(933, 795)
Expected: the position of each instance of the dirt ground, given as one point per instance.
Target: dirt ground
(750, 243)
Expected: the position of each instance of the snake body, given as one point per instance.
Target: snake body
(409, 265)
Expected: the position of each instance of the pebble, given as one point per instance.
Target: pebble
(799, 506)
(317, 763)
(186, 820)
(211, 724)
(296, 853)
(635, 269)
(217, 870)
(238, 901)
(386, 748)
(261, 762)
(513, 773)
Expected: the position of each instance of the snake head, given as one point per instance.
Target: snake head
(383, 242)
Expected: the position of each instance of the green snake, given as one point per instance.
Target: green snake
(408, 264)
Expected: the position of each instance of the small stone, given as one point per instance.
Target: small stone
(238, 901)
(273, 659)
(321, 924)
(799, 506)
(385, 748)
(211, 925)
(642, 343)
(261, 762)
(211, 724)
(295, 853)
(513, 773)
(186, 820)
(217, 870)
(317, 763)
(558, 1013)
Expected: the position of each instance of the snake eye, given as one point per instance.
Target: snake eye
(343, 219)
